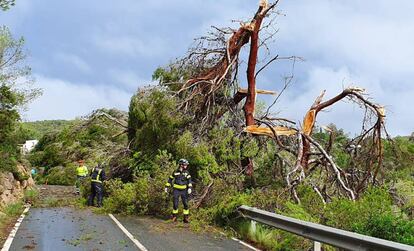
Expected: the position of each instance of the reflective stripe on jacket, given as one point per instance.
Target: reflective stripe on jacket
(179, 180)
(97, 175)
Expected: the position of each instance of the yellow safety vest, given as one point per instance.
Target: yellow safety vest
(82, 171)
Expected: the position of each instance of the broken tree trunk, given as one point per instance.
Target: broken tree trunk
(249, 106)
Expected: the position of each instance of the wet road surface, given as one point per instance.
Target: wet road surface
(159, 235)
(69, 229)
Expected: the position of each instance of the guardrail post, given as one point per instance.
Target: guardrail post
(316, 246)
(253, 226)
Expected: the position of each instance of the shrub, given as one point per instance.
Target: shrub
(153, 121)
(387, 226)
(145, 195)
(122, 198)
(31, 196)
(14, 209)
(373, 214)
(59, 175)
(224, 212)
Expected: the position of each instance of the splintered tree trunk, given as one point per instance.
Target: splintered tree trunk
(249, 106)
(251, 68)
(206, 83)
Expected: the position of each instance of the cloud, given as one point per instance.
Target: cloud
(129, 79)
(17, 15)
(65, 100)
(130, 46)
(364, 43)
(360, 43)
(72, 60)
(376, 40)
(345, 114)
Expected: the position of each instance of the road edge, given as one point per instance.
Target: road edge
(245, 244)
(127, 233)
(8, 242)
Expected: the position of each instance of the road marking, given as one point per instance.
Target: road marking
(130, 236)
(245, 244)
(12, 234)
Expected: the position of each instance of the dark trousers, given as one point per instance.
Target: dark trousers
(184, 198)
(96, 190)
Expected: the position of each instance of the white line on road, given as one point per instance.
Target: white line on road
(242, 242)
(130, 236)
(12, 234)
(245, 244)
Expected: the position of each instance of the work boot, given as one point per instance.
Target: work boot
(174, 217)
(186, 219)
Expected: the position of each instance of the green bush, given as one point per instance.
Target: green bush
(133, 198)
(122, 199)
(31, 195)
(145, 195)
(153, 121)
(373, 214)
(404, 189)
(202, 162)
(387, 226)
(224, 212)
(14, 209)
(65, 176)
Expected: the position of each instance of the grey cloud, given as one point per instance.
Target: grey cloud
(364, 43)
(65, 100)
(74, 61)
(129, 79)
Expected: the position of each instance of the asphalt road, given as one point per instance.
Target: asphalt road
(159, 235)
(71, 229)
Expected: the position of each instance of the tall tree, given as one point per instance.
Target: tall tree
(6, 4)
(15, 92)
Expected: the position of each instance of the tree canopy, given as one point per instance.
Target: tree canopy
(6, 4)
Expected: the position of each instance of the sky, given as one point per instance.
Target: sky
(91, 54)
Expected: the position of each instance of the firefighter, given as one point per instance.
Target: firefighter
(180, 181)
(97, 178)
(81, 174)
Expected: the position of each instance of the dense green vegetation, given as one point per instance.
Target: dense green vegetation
(159, 135)
(140, 149)
(93, 139)
(15, 92)
(6, 4)
(8, 217)
(141, 155)
(38, 129)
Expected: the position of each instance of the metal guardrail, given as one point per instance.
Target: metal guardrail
(320, 233)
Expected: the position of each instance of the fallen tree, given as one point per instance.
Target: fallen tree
(206, 84)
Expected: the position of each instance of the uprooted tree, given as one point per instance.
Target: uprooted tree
(205, 84)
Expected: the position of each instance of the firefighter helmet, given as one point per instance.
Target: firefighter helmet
(183, 162)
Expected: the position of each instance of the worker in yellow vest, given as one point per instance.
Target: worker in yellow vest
(180, 181)
(81, 174)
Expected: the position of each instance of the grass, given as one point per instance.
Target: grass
(31, 196)
(13, 210)
(8, 218)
